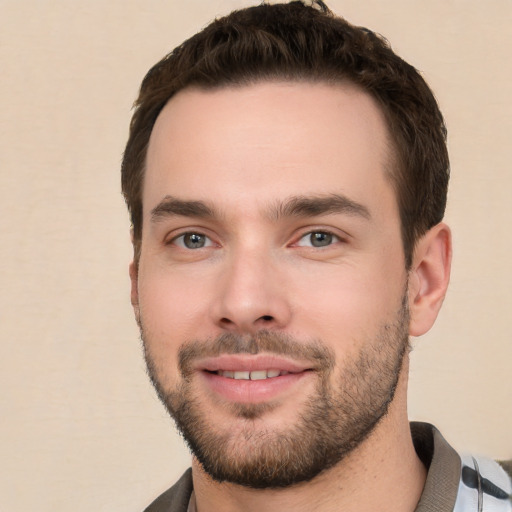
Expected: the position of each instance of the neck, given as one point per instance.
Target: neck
(383, 473)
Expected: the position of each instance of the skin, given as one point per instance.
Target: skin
(241, 152)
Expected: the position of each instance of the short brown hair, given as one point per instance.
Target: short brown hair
(297, 42)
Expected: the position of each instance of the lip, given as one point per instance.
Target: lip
(251, 391)
(247, 363)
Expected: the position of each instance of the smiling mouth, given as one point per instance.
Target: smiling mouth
(242, 379)
(252, 375)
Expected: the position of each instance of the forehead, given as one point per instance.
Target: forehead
(268, 140)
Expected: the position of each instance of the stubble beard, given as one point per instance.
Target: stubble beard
(334, 420)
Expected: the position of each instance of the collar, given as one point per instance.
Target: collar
(443, 464)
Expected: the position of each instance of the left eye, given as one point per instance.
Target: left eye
(318, 239)
(192, 241)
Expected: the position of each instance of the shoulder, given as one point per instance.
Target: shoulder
(176, 498)
(507, 466)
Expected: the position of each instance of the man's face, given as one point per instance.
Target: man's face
(271, 286)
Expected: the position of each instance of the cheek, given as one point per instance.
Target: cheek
(335, 312)
(349, 304)
(171, 309)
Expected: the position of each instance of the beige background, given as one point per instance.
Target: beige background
(80, 427)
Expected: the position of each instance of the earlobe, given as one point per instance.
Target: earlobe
(429, 277)
(134, 292)
(134, 279)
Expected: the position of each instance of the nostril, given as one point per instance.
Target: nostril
(227, 323)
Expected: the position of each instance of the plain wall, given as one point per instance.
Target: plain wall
(80, 426)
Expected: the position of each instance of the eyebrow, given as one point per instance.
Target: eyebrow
(295, 206)
(312, 206)
(171, 206)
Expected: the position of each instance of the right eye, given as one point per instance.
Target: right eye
(192, 241)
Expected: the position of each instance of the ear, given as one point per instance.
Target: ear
(134, 279)
(429, 277)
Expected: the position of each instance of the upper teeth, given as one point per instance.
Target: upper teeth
(254, 375)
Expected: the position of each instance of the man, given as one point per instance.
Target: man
(286, 176)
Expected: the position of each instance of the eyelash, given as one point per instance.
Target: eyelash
(332, 238)
(174, 240)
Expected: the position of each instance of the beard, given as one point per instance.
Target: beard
(347, 404)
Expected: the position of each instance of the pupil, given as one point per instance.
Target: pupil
(194, 241)
(321, 239)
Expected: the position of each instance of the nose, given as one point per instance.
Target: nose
(252, 295)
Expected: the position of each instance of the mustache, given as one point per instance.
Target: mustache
(263, 341)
